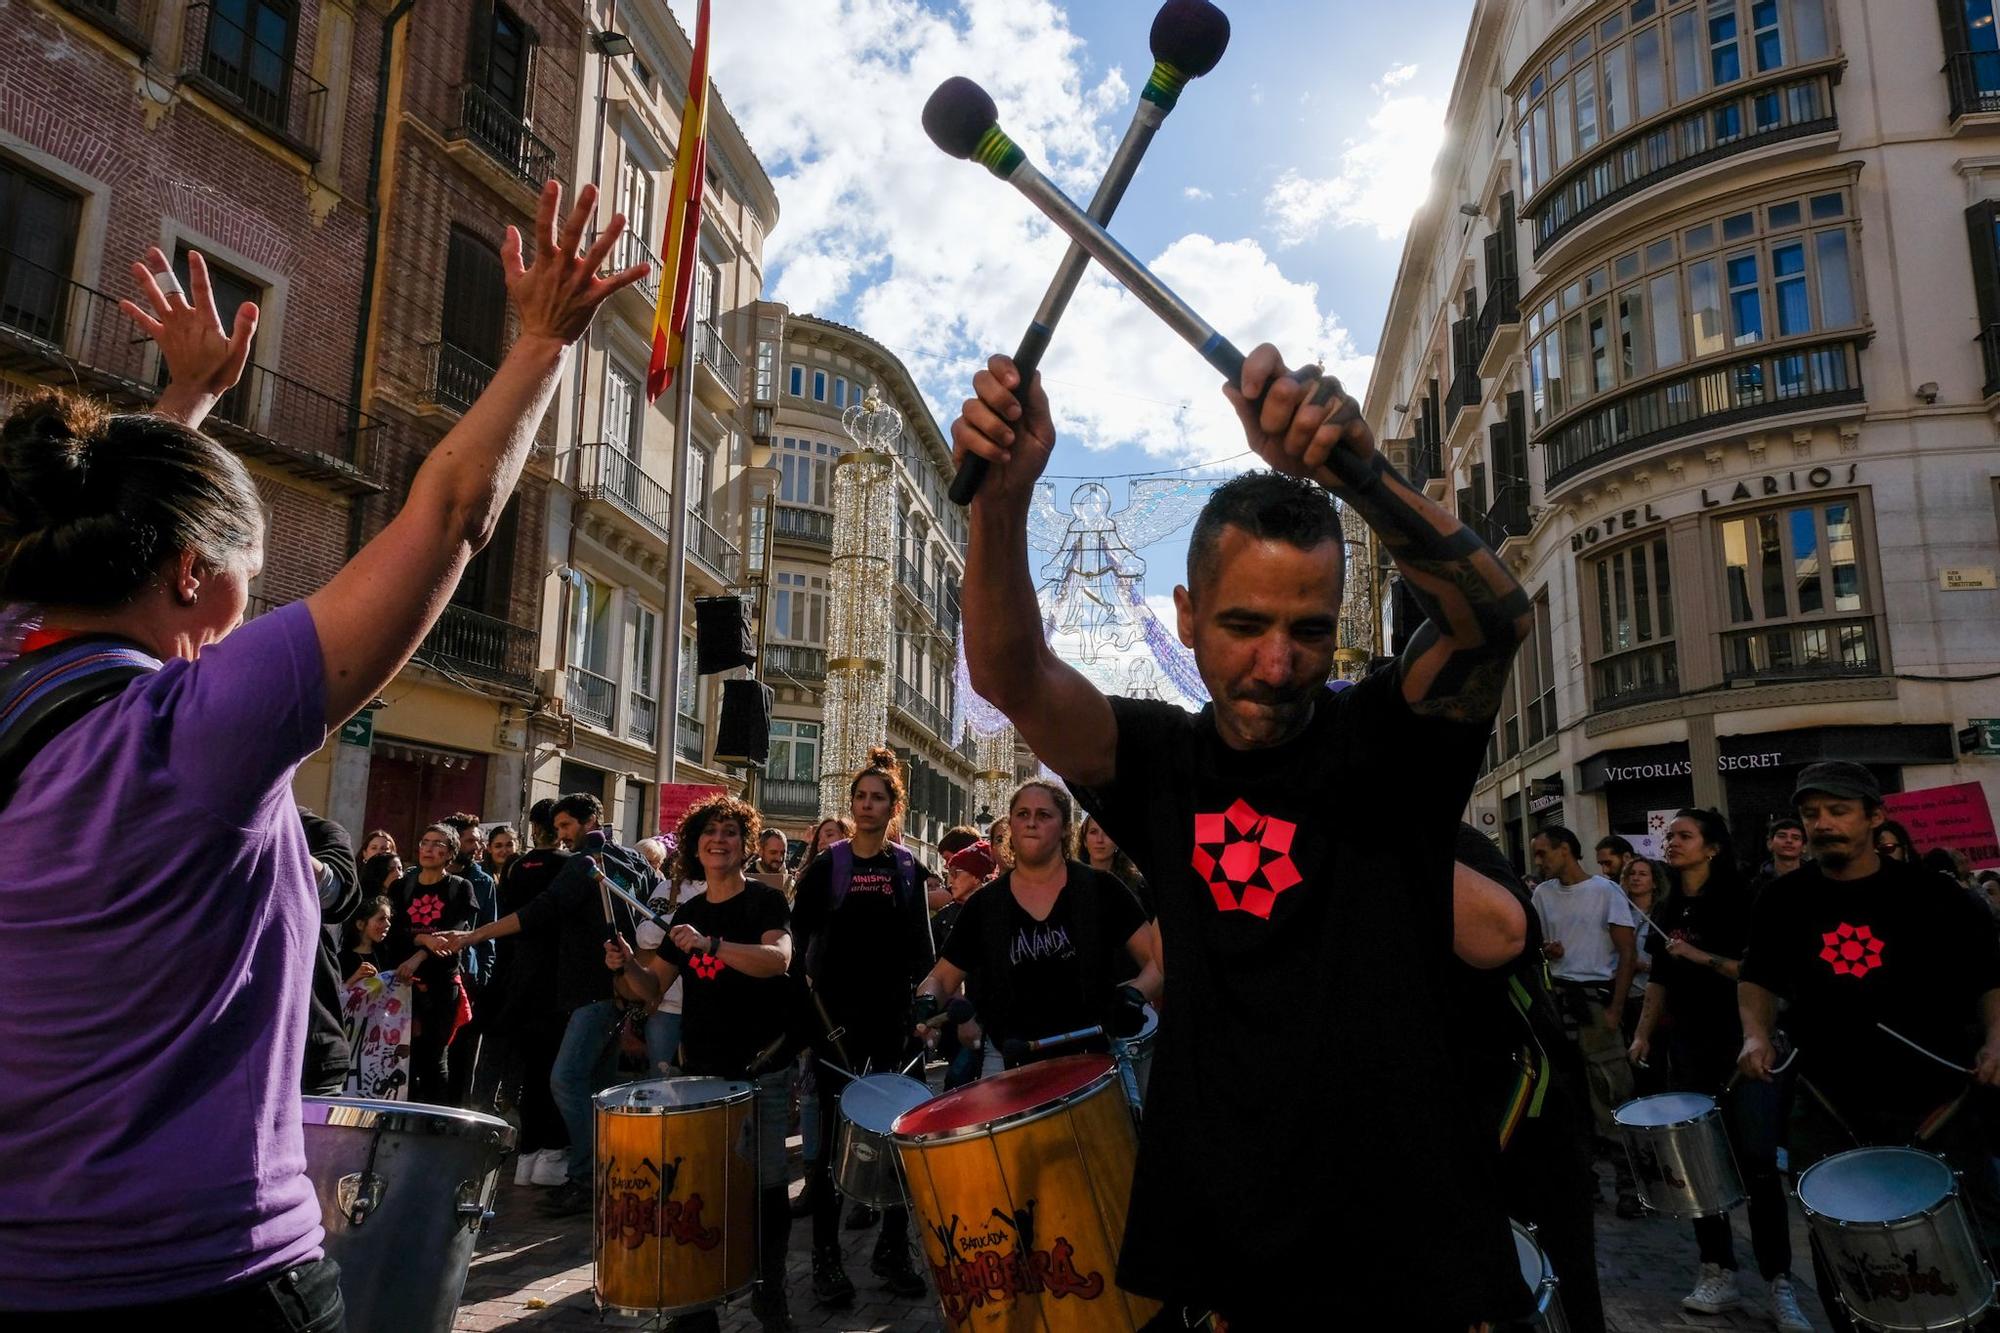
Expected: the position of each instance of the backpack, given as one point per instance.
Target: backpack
(44, 691)
(909, 890)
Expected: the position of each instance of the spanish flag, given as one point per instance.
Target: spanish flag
(683, 242)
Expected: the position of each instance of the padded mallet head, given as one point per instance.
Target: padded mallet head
(961, 119)
(1190, 35)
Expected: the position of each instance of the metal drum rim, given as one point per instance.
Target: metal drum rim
(387, 1117)
(1013, 1119)
(1952, 1190)
(1714, 1108)
(669, 1311)
(848, 1120)
(745, 1091)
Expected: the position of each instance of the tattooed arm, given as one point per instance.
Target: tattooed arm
(1475, 614)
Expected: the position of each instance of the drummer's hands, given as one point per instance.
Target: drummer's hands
(1640, 1050)
(688, 940)
(1552, 950)
(1679, 948)
(617, 953)
(1757, 1057)
(1015, 443)
(1305, 420)
(1986, 1068)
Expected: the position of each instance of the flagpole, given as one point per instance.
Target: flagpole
(677, 526)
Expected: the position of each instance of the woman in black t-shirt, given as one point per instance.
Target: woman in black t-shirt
(1047, 944)
(429, 902)
(363, 950)
(731, 946)
(1704, 927)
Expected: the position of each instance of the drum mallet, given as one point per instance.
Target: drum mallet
(1017, 1050)
(1933, 1055)
(1188, 39)
(962, 120)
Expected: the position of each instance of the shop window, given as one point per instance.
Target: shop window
(1632, 650)
(1795, 594)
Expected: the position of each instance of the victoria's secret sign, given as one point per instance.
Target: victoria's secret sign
(1768, 486)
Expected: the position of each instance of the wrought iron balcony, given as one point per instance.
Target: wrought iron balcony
(1425, 462)
(1508, 516)
(1634, 676)
(630, 249)
(1989, 350)
(1503, 307)
(500, 132)
(920, 710)
(591, 697)
(606, 472)
(482, 646)
(714, 550)
(457, 377)
(1974, 80)
(1745, 117)
(270, 86)
(642, 717)
(726, 368)
(1464, 393)
(267, 408)
(788, 798)
(1800, 377)
(130, 21)
(688, 738)
(1801, 650)
(807, 527)
(797, 661)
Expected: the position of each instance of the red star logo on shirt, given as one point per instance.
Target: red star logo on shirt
(1245, 858)
(705, 965)
(1852, 951)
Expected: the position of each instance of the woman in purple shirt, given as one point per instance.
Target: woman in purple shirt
(151, 1161)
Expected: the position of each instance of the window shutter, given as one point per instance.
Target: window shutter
(1979, 224)
(1951, 21)
(1509, 233)
(1494, 273)
(479, 43)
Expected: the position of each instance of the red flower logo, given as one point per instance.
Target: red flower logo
(705, 965)
(1245, 858)
(426, 910)
(1852, 951)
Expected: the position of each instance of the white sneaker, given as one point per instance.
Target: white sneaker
(551, 1167)
(1717, 1291)
(1785, 1312)
(524, 1167)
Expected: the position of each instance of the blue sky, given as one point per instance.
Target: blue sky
(1274, 198)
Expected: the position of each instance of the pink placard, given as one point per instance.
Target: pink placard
(676, 799)
(1957, 817)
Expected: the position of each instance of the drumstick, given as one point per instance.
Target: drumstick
(1921, 1051)
(641, 908)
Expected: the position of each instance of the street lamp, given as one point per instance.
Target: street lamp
(611, 43)
(863, 574)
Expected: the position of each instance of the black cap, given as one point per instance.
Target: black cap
(1838, 777)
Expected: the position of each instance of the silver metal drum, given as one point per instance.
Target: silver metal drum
(1541, 1279)
(1680, 1154)
(404, 1190)
(1893, 1231)
(864, 1163)
(1135, 1058)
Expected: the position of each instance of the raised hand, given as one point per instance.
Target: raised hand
(1304, 420)
(993, 424)
(203, 361)
(560, 292)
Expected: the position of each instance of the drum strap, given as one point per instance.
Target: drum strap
(46, 690)
(1531, 1083)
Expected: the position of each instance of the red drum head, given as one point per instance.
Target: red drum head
(1004, 1096)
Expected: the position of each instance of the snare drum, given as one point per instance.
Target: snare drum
(1021, 1182)
(1893, 1231)
(403, 1191)
(1541, 1279)
(676, 1210)
(864, 1161)
(1680, 1154)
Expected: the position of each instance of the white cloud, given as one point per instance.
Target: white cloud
(943, 264)
(1196, 193)
(1379, 178)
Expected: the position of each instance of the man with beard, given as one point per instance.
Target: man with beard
(1854, 939)
(1298, 844)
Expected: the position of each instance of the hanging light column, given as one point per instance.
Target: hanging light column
(863, 576)
(1359, 622)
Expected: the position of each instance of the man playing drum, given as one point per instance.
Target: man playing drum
(1299, 846)
(1856, 942)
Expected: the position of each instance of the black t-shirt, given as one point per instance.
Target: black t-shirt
(1903, 947)
(1701, 1002)
(524, 967)
(728, 1017)
(1049, 987)
(1305, 903)
(426, 909)
(352, 958)
(572, 910)
(866, 955)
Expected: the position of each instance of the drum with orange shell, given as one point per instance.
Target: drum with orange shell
(1021, 1183)
(676, 1200)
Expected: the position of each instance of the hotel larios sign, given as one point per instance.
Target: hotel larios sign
(1768, 486)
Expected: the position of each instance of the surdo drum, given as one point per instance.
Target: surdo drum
(1680, 1154)
(404, 1190)
(864, 1161)
(1020, 1183)
(676, 1202)
(1541, 1279)
(1891, 1227)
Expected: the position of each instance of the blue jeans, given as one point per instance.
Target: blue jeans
(663, 1043)
(585, 1063)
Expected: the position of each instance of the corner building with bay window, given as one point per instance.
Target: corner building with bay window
(1700, 327)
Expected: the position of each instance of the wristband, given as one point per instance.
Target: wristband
(715, 944)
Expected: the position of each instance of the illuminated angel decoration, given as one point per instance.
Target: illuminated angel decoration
(1090, 585)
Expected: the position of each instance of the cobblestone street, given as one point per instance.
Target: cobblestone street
(535, 1273)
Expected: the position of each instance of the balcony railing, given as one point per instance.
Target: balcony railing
(715, 354)
(760, 423)
(787, 797)
(1798, 378)
(1751, 118)
(265, 405)
(1804, 650)
(688, 738)
(591, 697)
(457, 377)
(1503, 306)
(1509, 515)
(795, 660)
(1464, 392)
(631, 249)
(502, 135)
(808, 527)
(130, 21)
(471, 644)
(1425, 462)
(710, 547)
(1989, 350)
(1636, 675)
(266, 83)
(1974, 80)
(642, 717)
(921, 710)
(606, 472)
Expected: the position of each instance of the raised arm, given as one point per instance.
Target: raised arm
(1475, 614)
(1489, 927)
(203, 360)
(377, 609)
(1057, 711)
